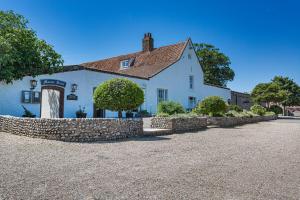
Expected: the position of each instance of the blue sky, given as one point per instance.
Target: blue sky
(262, 38)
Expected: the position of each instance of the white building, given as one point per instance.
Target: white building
(166, 73)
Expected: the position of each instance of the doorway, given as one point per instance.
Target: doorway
(52, 102)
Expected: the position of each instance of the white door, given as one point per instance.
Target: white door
(50, 103)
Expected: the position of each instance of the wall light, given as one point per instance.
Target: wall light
(74, 87)
(33, 84)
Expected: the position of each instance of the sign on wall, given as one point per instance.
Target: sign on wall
(53, 82)
(72, 97)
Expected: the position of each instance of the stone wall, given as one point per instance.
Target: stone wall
(235, 121)
(179, 124)
(72, 130)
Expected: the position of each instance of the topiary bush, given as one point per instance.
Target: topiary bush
(235, 108)
(258, 109)
(170, 107)
(118, 94)
(276, 109)
(213, 106)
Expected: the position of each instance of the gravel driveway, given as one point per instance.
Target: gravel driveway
(256, 161)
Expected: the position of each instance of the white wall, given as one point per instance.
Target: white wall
(10, 94)
(176, 79)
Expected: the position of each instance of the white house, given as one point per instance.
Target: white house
(166, 73)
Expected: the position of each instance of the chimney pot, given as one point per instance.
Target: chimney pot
(148, 42)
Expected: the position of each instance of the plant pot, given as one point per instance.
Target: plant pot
(81, 115)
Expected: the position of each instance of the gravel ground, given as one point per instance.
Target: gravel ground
(256, 161)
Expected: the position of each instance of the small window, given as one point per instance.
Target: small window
(189, 56)
(162, 95)
(191, 82)
(124, 64)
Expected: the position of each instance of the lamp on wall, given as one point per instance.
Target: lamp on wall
(74, 87)
(33, 84)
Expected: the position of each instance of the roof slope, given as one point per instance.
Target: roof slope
(144, 64)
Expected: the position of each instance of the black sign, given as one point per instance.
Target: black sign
(53, 82)
(72, 97)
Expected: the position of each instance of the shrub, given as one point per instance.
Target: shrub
(185, 115)
(170, 107)
(233, 113)
(270, 113)
(162, 115)
(235, 108)
(118, 94)
(276, 109)
(212, 106)
(258, 109)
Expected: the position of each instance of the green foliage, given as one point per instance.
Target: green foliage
(269, 114)
(268, 92)
(118, 94)
(162, 115)
(27, 113)
(258, 109)
(212, 106)
(21, 52)
(276, 109)
(235, 108)
(216, 65)
(185, 115)
(170, 107)
(143, 113)
(291, 88)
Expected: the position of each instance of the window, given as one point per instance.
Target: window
(192, 102)
(189, 56)
(191, 82)
(124, 64)
(162, 95)
(31, 97)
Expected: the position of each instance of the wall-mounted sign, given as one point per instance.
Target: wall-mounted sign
(53, 82)
(72, 97)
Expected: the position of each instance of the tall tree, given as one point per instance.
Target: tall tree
(268, 93)
(21, 52)
(216, 65)
(292, 89)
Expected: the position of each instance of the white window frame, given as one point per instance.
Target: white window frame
(191, 82)
(124, 64)
(162, 95)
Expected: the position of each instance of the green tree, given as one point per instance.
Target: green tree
(21, 52)
(216, 65)
(119, 94)
(268, 93)
(292, 89)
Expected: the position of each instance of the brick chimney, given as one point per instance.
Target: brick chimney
(148, 42)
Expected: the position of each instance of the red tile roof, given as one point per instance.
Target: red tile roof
(144, 64)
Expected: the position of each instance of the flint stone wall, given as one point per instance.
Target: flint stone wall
(235, 121)
(179, 124)
(72, 130)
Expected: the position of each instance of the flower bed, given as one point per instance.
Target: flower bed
(73, 130)
(235, 121)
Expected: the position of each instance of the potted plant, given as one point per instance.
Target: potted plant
(27, 113)
(81, 112)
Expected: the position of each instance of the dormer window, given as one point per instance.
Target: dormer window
(124, 64)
